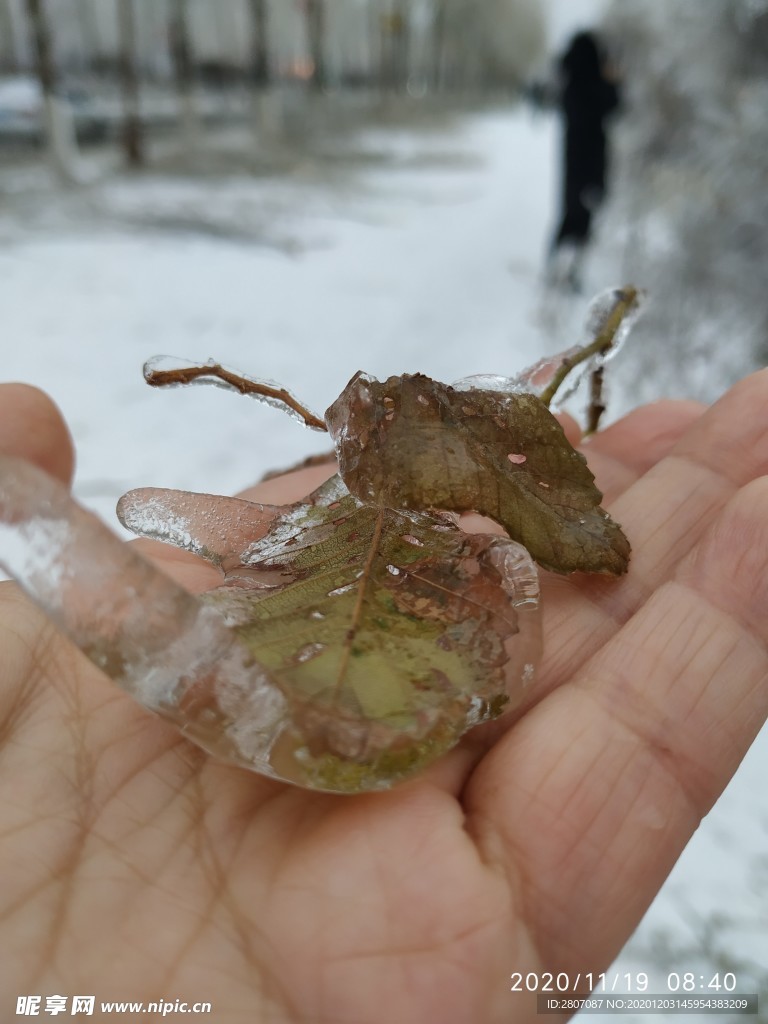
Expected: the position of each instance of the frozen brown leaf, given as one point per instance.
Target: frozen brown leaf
(414, 443)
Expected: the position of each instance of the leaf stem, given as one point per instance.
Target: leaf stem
(246, 386)
(626, 302)
(357, 611)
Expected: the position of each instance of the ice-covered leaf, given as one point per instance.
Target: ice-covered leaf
(347, 647)
(414, 443)
(388, 633)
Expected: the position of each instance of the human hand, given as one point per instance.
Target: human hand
(135, 867)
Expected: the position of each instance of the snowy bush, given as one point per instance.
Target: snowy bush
(690, 206)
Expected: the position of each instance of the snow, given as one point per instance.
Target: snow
(420, 250)
(427, 264)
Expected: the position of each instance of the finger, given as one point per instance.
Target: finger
(664, 514)
(198, 575)
(571, 427)
(56, 706)
(290, 487)
(32, 428)
(628, 448)
(612, 774)
(190, 571)
(620, 453)
(688, 674)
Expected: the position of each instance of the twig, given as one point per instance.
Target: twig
(596, 405)
(626, 302)
(213, 371)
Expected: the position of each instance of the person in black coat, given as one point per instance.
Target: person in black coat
(588, 96)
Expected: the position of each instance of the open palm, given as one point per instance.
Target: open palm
(134, 867)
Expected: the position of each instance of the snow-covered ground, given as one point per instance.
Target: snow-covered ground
(424, 260)
(403, 250)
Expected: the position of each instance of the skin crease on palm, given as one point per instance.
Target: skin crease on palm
(135, 867)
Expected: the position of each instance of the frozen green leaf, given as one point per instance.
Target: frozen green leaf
(388, 633)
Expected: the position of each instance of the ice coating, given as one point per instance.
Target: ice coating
(213, 665)
(411, 442)
(217, 528)
(532, 381)
(601, 308)
(169, 650)
(376, 642)
(168, 371)
(538, 379)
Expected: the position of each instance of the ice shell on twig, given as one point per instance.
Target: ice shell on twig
(167, 371)
(538, 378)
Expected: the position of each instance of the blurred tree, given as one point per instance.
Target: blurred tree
(437, 48)
(89, 31)
(8, 55)
(181, 58)
(484, 45)
(395, 45)
(59, 126)
(315, 17)
(43, 49)
(132, 134)
(690, 199)
(260, 48)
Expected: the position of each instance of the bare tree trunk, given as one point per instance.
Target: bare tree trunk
(89, 32)
(265, 103)
(8, 57)
(133, 136)
(181, 57)
(374, 44)
(385, 53)
(260, 52)
(42, 44)
(315, 12)
(394, 28)
(400, 44)
(59, 127)
(438, 44)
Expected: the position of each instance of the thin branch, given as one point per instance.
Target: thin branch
(214, 372)
(596, 404)
(627, 300)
